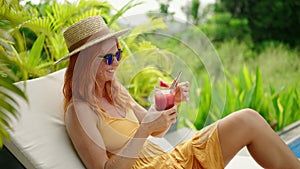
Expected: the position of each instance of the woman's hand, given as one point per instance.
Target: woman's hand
(157, 121)
(182, 92)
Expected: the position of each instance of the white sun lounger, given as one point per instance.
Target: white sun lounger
(39, 139)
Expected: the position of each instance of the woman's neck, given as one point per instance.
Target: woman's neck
(100, 89)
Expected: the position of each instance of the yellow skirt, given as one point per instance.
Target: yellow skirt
(203, 151)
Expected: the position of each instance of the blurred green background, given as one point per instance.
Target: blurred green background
(257, 43)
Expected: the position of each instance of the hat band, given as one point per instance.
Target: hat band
(96, 35)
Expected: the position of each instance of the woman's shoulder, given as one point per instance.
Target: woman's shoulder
(78, 105)
(80, 108)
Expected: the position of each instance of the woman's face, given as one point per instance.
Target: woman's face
(107, 72)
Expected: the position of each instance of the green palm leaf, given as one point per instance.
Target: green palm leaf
(35, 52)
(8, 105)
(121, 11)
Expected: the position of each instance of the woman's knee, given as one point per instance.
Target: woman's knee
(251, 118)
(250, 114)
(244, 121)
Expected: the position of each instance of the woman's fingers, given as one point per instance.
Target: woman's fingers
(186, 96)
(182, 92)
(171, 111)
(159, 120)
(171, 114)
(186, 83)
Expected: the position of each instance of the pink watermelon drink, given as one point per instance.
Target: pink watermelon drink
(165, 94)
(164, 98)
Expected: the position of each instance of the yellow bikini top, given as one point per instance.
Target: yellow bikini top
(116, 132)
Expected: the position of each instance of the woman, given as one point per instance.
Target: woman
(109, 129)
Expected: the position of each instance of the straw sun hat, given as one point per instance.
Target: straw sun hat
(86, 33)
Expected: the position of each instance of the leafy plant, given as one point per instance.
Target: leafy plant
(205, 104)
(36, 32)
(246, 91)
(270, 21)
(164, 6)
(142, 85)
(8, 104)
(194, 12)
(286, 104)
(223, 26)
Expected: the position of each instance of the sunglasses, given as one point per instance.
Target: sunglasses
(110, 57)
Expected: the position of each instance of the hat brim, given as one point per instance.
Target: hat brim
(91, 43)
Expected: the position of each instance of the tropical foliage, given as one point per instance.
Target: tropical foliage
(278, 107)
(8, 103)
(275, 20)
(36, 32)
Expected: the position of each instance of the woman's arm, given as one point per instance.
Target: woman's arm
(162, 132)
(81, 123)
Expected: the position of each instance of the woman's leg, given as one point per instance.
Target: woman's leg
(247, 128)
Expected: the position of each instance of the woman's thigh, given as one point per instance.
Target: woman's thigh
(236, 131)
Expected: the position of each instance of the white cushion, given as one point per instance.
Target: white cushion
(244, 162)
(38, 137)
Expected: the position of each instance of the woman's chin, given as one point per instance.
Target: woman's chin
(110, 77)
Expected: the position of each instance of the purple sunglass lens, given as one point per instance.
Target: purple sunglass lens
(110, 60)
(118, 55)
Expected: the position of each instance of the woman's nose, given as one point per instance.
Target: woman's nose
(115, 62)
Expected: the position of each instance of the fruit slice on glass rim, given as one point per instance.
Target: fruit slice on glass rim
(163, 83)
